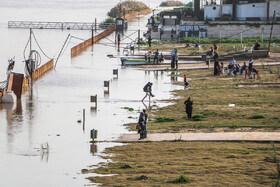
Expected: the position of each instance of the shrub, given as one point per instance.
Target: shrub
(104, 24)
(164, 119)
(129, 6)
(198, 117)
(129, 109)
(172, 3)
(182, 179)
(258, 116)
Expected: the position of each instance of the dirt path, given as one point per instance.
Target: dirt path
(227, 136)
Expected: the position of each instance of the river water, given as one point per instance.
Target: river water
(49, 113)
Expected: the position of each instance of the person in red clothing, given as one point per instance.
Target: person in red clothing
(185, 81)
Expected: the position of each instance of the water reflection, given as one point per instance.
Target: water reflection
(173, 77)
(106, 93)
(45, 152)
(93, 148)
(93, 111)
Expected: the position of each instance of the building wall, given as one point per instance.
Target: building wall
(227, 9)
(274, 5)
(211, 12)
(251, 10)
(233, 31)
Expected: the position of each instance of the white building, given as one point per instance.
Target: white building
(241, 10)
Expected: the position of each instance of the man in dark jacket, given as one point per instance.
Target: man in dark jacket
(189, 107)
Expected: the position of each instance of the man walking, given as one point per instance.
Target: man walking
(148, 90)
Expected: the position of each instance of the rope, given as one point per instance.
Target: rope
(62, 48)
(40, 46)
(25, 48)
(78, 38)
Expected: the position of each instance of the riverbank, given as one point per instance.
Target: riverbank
(256, 107)
(203, 163)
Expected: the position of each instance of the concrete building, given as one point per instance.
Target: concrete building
(219, 19)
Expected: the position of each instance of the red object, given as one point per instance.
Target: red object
(15, 83)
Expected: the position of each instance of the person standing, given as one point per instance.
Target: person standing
(176, 59)
(250, 64)
(142, 121)
(172, 59)
(216, 64)
(156, 53)
(189, 107)
(149, 57)
(150, 41)
(250, 67)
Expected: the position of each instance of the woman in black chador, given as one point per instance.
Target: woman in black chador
(189, 107)
(216, 64)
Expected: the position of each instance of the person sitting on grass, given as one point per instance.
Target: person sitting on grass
(236, 69)
(254, 72)
(209, 52)
(243, 68)
(161, 58)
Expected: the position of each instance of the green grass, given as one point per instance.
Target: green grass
(204, 164)
(129, 109)
(258, 116)
(212, 96)
(161, 119)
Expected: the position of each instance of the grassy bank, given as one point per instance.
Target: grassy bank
(202, 163)
(257, 102)
(226, 45)
(178, 163)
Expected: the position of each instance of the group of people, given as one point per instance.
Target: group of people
(174, 59)
(157, 57)
(236, 69)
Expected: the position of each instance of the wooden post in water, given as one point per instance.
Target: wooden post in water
(116, 72)
(93, 99)
(84, 118)
(107, 84)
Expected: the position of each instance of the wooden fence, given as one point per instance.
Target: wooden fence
(84, 45)
(38, 73)
(132, 15)
(78, 49)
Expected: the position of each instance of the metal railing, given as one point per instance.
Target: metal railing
(58, 25)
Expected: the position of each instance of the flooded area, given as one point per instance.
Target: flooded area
(42, 141)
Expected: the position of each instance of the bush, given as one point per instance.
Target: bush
(198, 117)
(182, 179)
(172, 3)
(164, 119)
(129, 6)
(104, 24)
(258, 116)
(129, 109)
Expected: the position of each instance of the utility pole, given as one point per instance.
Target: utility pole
(274, 13)
(30, 58)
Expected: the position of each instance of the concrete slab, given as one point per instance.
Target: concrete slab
(226, 136)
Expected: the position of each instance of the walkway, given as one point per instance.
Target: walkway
(225, 136)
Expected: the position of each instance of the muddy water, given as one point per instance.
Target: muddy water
(49, 113)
